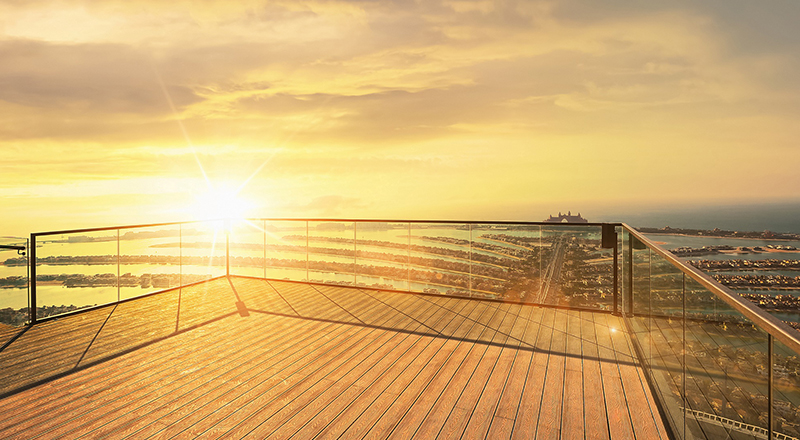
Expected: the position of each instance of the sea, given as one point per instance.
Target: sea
(775, 217)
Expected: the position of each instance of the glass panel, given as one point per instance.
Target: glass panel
(13, 283)
(203, 250)
(640, 298)
(75, 271)
(623, 259)
(506, 262)
(149, 260)
(382, 255)
(440, 259)
(331, 254)
(247, 248)
(286, 256)
(726, 370)
(665, 337)
(785, 390)
(577, 272)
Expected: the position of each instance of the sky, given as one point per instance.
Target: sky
(128, 112)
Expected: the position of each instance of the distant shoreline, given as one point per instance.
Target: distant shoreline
(719, 236)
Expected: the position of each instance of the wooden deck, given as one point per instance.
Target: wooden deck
(264, 359)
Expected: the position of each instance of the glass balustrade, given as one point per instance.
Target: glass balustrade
(713, 361)
(716, 371)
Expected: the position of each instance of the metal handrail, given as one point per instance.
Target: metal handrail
(770, 324)
(462, 222)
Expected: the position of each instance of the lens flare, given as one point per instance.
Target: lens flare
(223, 202)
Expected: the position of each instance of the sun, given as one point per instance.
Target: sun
(220, 202)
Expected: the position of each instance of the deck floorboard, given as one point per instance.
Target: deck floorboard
(244, 357)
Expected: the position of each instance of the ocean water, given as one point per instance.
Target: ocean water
(776, 217)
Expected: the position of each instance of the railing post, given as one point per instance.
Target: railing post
(470, 259)
(180, 254)
(630, 274)
(609, 241)
(118, 286)
(770, 413)
(308, 278)
(616, 279)
(408, 258)
(355, 254)
(32, 279)
(264, 230)
(227, 250)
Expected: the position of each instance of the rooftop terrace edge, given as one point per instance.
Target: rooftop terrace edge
(772, 325)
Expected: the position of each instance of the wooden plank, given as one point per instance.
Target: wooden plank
(483, 390)
(245, 337)
(260, 295)
(212, 386)
(258, 402)
(619, 420)
(464, 390)
(106, 380)
(440, 396)
(116, 403)
(638, 408)
(646, 422)
(354, 423)
(313, 415)
(103, 380)
(549, 425)
(572, 420)
(502, 422)
(595, 412)
(530, 404)
(413, 401)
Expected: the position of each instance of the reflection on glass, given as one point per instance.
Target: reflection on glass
(285, 256)
(331, 254)
(247, 248)
(440, 259)
(13, 282)
(640, 297)
(625, 272)
(665, 336)
(382, 255)
(726, 376)
(506, 262)
(75, 271)
(203, 250)
(149, 260)
(577, 271)
(786, 390)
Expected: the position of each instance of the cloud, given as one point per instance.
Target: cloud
(95, 78)
(383, 106)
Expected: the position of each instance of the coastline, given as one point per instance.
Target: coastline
(719, 236)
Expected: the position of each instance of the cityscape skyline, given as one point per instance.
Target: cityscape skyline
(122, 113)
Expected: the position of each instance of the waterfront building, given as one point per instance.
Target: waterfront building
(566, 218)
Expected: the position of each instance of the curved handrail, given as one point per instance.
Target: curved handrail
(770, 324)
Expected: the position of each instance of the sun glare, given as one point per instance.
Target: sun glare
(220, 203)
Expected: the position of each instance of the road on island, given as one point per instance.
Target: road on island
(550, 290)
